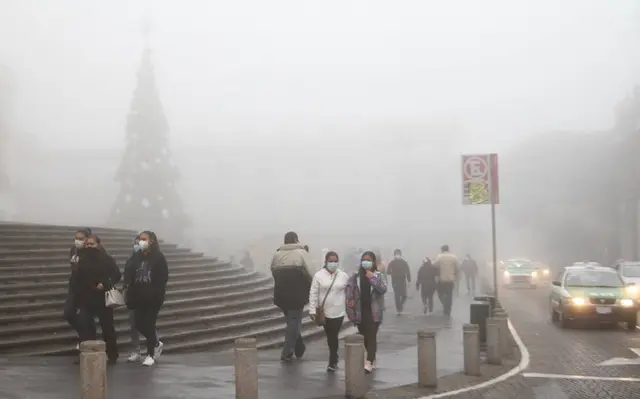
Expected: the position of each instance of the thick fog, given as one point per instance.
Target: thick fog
(343, 121)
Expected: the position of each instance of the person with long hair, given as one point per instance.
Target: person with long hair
(147, 291)
(129, 274)
(364, 299)
(97, 273)
(426, 284)
(326, 303)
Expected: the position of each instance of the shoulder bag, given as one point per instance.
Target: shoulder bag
(320, 317)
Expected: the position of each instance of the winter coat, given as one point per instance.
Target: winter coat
(352, 297)
(150, 276)
(94, 267)
(291, 270)
(427, 277)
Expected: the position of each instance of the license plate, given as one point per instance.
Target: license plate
(603, 310)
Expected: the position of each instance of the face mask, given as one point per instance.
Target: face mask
(366, 264)
(79, 244)
(144, 245)
(332, 266)
(136, 248)
(398, 256)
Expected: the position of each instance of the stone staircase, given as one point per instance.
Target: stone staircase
(209, 303)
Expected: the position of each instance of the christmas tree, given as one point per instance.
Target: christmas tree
(148, 197)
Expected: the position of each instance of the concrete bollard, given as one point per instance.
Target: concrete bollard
(355, 382)
(246, 368)
(494, 347)
(427, 371)
(471, 346)
(505, 344)
(93, 370)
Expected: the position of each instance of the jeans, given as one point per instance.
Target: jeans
(88, 332)
(71, 312)
(369, 330)
(471, 282)
(445, 292)
(332, 330)
(427, 297)
(146, 317)
(293, 342)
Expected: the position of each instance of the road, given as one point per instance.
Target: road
(565, 363)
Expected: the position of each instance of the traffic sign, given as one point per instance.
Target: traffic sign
(480, 179)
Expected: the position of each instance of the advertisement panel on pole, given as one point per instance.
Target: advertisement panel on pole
(480, 179)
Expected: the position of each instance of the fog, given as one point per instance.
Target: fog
(343, 121)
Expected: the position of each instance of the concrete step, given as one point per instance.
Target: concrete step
(63, 253)
(39, 258)
(52, 241)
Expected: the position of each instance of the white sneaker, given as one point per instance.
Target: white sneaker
(158, 351)
(77, 347)
(133, 357)
(148, 361)
(368, 367)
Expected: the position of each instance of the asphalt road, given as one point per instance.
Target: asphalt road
(566, 363)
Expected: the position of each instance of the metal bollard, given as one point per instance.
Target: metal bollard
(93, 370)
(494, 347)
(355, 382)
(246, 368)
(471, 346)
(427, 371)
(505, 344)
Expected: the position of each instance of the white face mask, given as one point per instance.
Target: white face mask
(144, 245)
(79, 244)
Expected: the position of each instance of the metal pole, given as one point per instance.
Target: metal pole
(495, 250)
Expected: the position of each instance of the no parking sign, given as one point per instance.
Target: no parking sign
(480, 179)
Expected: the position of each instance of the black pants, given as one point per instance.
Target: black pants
(369, 330)
(71, 312)
(427, 297)
(146, 317)
(331, 330)
(471, 282)
(86, 321)
(400, 294)
(445, 292)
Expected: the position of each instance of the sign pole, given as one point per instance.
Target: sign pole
(492, 199)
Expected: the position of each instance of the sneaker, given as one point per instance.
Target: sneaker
(77, 347)
(148, 361)
(331, 368)
(134, 357)
(158, 351)
(368, 367)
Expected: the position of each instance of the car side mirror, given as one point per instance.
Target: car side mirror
(556, 283)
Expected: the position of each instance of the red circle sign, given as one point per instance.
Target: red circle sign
(476, 169)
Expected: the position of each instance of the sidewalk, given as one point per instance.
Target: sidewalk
(210, 375)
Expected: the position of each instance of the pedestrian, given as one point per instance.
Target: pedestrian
(146, 293)
(398, 270)
(469, 268)
(364, 304)
(426, 284)
(97, 274)
(291, 270)
(448, 267)
(327, 303)
(127, 281)
(247, 262)
(70, 305)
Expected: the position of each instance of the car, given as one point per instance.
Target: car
(520, 273)
(594, 294)
(544, 271)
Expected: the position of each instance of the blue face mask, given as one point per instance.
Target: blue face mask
(366, 264)
(332, 266)
(136, 248)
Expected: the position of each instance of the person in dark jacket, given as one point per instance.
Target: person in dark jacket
(97, 273)
(400, 274)
(247, 262)
(129, 273)
(469, 268)
(70, 306)
(426, 284)
(147, 290)
(291, 270)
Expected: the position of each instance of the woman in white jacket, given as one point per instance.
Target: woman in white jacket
(327, 296)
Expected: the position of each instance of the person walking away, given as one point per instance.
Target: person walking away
(364, 304)
(147, 291)
(97, 273)
(400, 274)
(129, 275)
(291, 270)
(448, 266)
(327, 303)
(247, 262)
(469, 268)
(70, 305)
(426, 284)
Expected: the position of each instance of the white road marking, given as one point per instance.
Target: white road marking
(579, 377)
(524, 363)
(623, 361)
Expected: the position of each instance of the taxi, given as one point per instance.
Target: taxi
(520, 273)
(593, 294)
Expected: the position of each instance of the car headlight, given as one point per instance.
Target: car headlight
(577, 301)
(534, 274)
(506, 273)
(545, 272)
(626, 302)
(632, 290)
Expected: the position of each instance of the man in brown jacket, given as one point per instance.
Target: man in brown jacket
(449, 268)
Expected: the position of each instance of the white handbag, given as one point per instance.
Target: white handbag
(113, 298)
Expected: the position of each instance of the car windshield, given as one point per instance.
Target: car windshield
(631, 270)
(520, 265)
(593, 278)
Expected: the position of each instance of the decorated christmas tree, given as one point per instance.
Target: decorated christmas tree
(148, 197)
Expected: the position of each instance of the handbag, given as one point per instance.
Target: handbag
(113, 298)
(321, 319)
